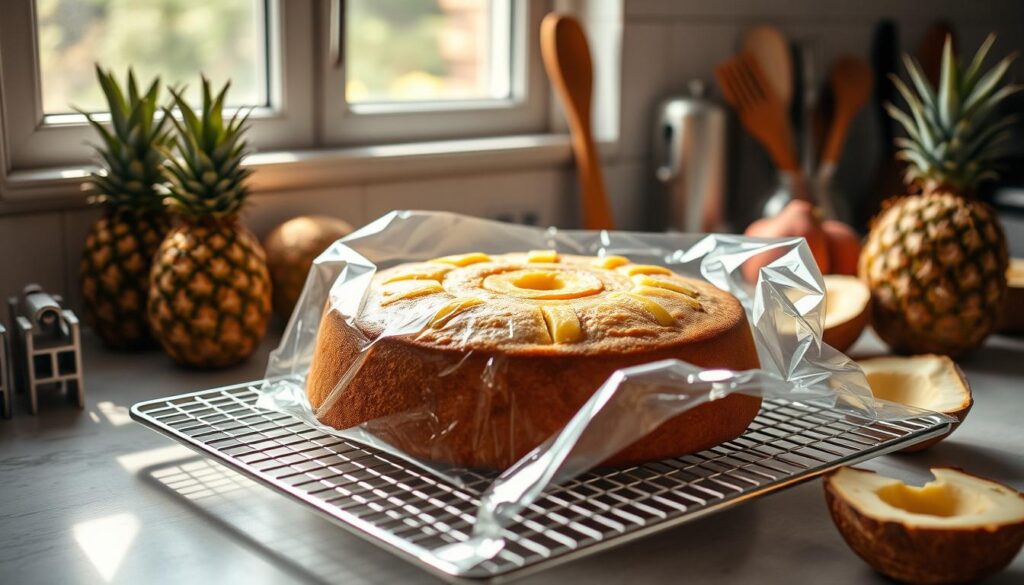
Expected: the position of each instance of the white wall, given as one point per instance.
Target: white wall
(664, 44)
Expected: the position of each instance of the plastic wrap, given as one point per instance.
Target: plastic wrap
(785, 311)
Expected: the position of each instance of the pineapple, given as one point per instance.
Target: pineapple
(209, 297)
(936, 262)
(114, 269)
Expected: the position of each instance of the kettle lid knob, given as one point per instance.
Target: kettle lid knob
(697, 88)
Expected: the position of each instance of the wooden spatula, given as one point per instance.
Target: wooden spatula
(567, 62)
(760, 110)
(770, 49)
(851, 89)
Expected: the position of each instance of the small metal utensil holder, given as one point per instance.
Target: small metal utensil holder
(46, 346)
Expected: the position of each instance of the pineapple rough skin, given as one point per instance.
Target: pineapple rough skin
(936, 267)
(114, 276)
(209, 297)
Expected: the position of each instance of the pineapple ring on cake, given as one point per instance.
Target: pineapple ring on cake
(510, 346)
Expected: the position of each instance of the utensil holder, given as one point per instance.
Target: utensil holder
(791, 186)
(818, 190)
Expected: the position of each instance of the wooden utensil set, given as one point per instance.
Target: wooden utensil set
(758, 83)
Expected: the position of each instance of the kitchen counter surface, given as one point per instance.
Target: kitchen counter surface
(88, 496)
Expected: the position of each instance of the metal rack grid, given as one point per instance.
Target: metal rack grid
(413, 513)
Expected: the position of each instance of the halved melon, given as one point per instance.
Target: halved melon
(1012, 318)
(846, 310)
(958, 528)
(928, 381)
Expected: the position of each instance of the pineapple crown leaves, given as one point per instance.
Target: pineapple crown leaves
(132, 148)
(953, 138)
(205, 179)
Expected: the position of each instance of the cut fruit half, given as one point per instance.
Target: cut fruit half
(846, 310)
(932, 382)
(958, 528)
(1012, 318)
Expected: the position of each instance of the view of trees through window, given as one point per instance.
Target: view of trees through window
(176, 39)
(415, 50)
(395, 50)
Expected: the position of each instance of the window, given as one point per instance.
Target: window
(317, 73)
(244, 40)
(422, 51)
(225, 40)
(405, 70)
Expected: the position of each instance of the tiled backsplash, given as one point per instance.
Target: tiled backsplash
(665, 44)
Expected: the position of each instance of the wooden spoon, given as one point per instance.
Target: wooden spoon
(851, 89)
(567, 62)
(770, 48)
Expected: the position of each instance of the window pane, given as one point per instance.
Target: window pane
(427, 50)
(176, 39)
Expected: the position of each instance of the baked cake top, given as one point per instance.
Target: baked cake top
(545, 302)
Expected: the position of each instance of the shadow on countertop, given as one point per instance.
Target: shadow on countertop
(976, 459)
(299, 542)
(1002, 355)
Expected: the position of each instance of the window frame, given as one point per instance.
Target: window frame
(525, 111)
(32, 140)
(291, 148)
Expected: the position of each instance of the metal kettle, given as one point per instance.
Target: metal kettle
(690, 151)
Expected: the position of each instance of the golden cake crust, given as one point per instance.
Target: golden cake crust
(509, 347)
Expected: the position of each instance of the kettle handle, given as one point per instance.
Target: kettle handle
(667, 142)
(665, 145)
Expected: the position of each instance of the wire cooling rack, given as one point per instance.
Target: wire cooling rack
(413, 513)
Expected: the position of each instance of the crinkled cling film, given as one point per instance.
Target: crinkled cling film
(785, 310)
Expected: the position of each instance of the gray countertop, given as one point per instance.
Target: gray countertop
(88, 496)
